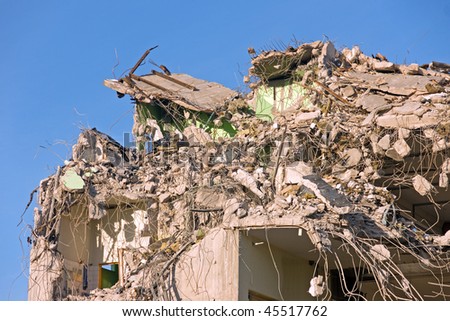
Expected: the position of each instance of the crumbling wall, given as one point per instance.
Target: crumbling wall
(46, 269)
(333, 159)
(266, 269)
(209, 270)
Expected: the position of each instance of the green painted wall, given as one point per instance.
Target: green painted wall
(280, 95)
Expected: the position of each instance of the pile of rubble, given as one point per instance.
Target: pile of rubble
(320, 162)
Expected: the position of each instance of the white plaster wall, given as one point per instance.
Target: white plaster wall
(98, 241)
(421, 283)
(45, 271)
(74, 240)
(209, 270)
(120, 228)
(258, 272)
(74, 237)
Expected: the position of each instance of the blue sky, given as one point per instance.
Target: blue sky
(55, 55)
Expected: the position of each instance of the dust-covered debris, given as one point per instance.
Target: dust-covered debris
(352, 149)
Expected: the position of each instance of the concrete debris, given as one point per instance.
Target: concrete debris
(248, 181)
(443, 240)
(352, 157)
(412, 69)
(327, 59)
(94, 146)
(443, 180)
(294, 172)
(72, 181)
(385, 142)
(407, 108)
(352, 55)
(370, 102)
(329, 195)
(351, 148)
(305, 117)
(195, 135)
(446, 166)
(316, 287)
(380, 252)
(384, 66)
(403, 133)
(421, 185)
(209, 198)
(399, 150)
(348, 91)
(231, 206)
(402, 121)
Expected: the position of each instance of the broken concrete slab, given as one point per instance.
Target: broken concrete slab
(210, 198)
(164, 197)
(195, 135)
(348, 91)
(438, 98)
(352, 157)
(396, 121)
(316, 287)
(395, 84)
(247, 180)
(446, 166)
(276, 64)
(181, 89)
(352, 55)
(348, 175)
(150, 187)
(408, 108)
(295, 171)
(380, 252)
(412, 69)
(369, 120)
(440, 145)
(385, 142)
(327, 58)
(94, 146)
(231, 206)
(384, 66)
(403, 133)
(241, 212)
(72, 181)
(443, 180)
(399, 150)
(421, 185)
(430, 118)
(307, 116)
(370, 102)
(328, 54)
(327, 193)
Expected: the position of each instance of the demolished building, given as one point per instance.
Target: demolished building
(328, 181)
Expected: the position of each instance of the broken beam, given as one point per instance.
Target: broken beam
(148, 82)
(280, 149)
(141, 60)
(128, 81)
(206, 210)
(157, 73)
(439, 66)
(341, 99)
(133, 85)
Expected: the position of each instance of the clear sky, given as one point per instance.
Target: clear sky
(54, 56)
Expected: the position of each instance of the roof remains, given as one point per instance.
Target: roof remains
(192, 93)
(275, 64)
(184, 90)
